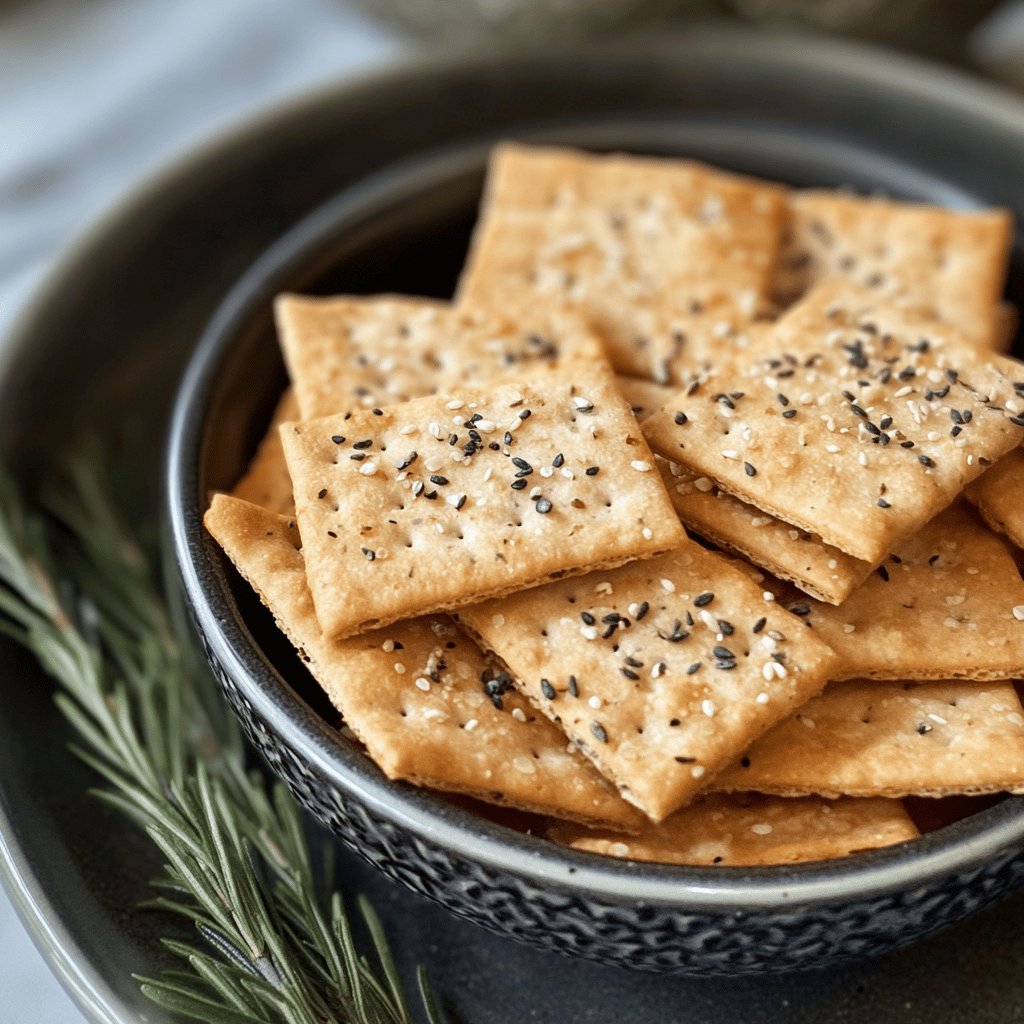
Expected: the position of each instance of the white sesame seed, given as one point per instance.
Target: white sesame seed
(582, 403)
(471, 725)
(848, 627)
(455, 500)
(951, 623)
(595, 703)
(668, 585)
(832, 448)
(456, 403)
(696, 771)
(435, 430)
(762, 698)
(703, 484)
(1015, 718)
(388, 646)
(518, 714)
(904, 391)
(641, 465)
(657, 670)
(730, 453)
(409, 428)
(546, 471)
(808, 722)
(768, 595)
(459, 421)
(589, 632)
(708, 707)
(708, 619)
(938, 719)
(604, 587)
(647, 532)
(368, 468)
(619, 850)
(486, 426)
(399, 668)
(568, 473)
(762, 828)
(1018, 612)
(422, 683)
(535, 492)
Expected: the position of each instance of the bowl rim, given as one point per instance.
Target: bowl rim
(957, 847)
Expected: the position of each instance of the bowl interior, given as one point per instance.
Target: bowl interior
(407, 231)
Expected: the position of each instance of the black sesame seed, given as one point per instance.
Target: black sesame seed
(508, 437)
(858, 411)
(547, 689)
(460, 502)
(338, 438)
(884, 573)
(800, 609)
(885, 422)
(1017, 421)
(642, 611)
(518, 485)
(783, 400)
(951, 376)
(956, 416)
(689, 619)
(592, 470)
(574, 687)
(967, 415)
(543, 506)
(558, 460)
(726, 401)
(525, 414)
(357, 456)
(724, 653)
(760, 624)
(925, 461)
(331, 533)
(933, 559)
(872, 429)
(409, 460)
(681, 418)
(378, 412)
(693, 668)
(789, 414)
(924, 728)
(370, 555)
(588, 618)
(599, 732)
(609, 630)
(906, 444)
(521, 463)
(368, 443)
(704, 599)
(439, 480)
(956, 431)
(629, 673)
(674, 722)
(685, 760)
(323, 493)
(417, 488)
(725, 627)
(749, 469)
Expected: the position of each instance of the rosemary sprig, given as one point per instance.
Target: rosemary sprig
(269, 947)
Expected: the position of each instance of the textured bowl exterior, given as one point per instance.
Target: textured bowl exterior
(660, 918)
(663, 938)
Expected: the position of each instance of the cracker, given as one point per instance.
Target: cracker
(407, 513)
(355, 352)
(998, 495)
(796, 556)
(857, 422)
(749, 830)
(645, 397)
(944, 605)
(891, 739)
(948, 263)
(668, 258)
(661, 670)
(416, 695)
(266, 482)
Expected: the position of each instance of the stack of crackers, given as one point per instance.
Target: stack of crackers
(689, 525)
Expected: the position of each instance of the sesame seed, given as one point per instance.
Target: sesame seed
(680, 418)
(697, 771)
(1018, 612)
(668, 585)
(708, 707)
(599, 732)
(543, 506)
(641, 465)
(592, 470)
(518, 714)
(422, 683)
(762, 698)
(882, 503)
(338, 438)
(691, 669)
(369, 554)
(547, 689)
(704, 599)
(761, 829)
(471, 725)
(456, 403)
(749, 469)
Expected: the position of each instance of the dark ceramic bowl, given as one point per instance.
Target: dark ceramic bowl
(765, 111)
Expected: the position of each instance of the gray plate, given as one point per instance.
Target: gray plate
(107, 340)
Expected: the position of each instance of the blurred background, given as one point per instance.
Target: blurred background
(96, 95)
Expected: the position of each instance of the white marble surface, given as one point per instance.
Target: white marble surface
(95, 95)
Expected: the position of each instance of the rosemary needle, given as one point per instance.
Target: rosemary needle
(148, 720)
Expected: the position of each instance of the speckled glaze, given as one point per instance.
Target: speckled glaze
(404, 228)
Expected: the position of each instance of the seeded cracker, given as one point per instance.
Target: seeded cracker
(644, 396)
(353, 352)
(670, 259)
(266, 482)
(450, 499)
(790, 554)
(949, 264)
(891, 739)
(856, 422)
(749, 830)
(421, 696)
(660, 670)
(942, 606)
(999, 496)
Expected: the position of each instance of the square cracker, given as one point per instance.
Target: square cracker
(940, 607)
(891, 739)
(661, 671)
(668, 258)
(749, 830)
(449, 499)
(856, 421)
(416, 694)
(950, 264)
(266, 482)
(998, 495)
(790, 554)
(357, 352)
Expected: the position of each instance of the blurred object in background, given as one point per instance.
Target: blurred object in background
(997, 47)
(936, 27)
